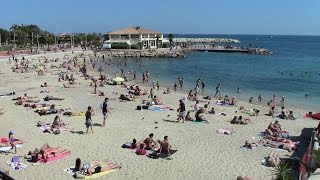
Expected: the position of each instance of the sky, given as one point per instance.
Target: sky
(272, 17)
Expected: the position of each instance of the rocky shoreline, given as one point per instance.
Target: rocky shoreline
(145, 53)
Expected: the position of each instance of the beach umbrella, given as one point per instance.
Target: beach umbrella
(118, 80)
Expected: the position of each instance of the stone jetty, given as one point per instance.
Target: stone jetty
(205, 40)
(165, 53)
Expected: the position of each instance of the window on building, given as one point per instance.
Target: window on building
(114, 36)
(124, 37)
(145, 36)
(135, 36)
(152, 43)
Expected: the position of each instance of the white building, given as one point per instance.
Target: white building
(134, 35)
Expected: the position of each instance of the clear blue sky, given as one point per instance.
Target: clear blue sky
(292, 17)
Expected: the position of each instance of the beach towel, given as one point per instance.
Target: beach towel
(155, 109)
(62, 154)
(246, 148)
(199, 122)
(17, 165)
(71, 170)
(8, 148)
(7, 94)
(44, 127)
(227, 131)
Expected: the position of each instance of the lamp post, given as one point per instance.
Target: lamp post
(0, 40)
(32, 39)
(14, 39)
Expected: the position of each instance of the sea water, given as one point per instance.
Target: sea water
(292, 70)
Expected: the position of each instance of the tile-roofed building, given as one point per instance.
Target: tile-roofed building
(134, 35)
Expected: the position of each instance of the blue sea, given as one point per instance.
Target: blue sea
(292, 70)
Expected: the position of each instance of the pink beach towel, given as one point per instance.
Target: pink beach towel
(62, 154)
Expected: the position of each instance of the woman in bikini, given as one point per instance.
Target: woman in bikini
(94, 167)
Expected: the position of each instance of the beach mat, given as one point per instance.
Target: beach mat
(199, 122)
(16, 166)
(164, 156)
(71, 170)
(63, 154)
(8, 148)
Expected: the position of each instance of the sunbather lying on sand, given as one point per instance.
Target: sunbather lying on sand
(48, 98)
(249, 145)
(33, 106)
(126, 97)
(273, 159)
(43, 152)
(278, 139)
(240, 120)
(94, 167)
(51, 110)
(21, 100)
(279, 145)
(68, 113)
(68, 86)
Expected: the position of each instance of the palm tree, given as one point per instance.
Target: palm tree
(170, 36)
(282, 172)
(157, 40)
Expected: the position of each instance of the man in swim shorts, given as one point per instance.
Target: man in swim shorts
(105, 111)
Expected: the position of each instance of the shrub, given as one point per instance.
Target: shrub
(165, 45)
(119, 46)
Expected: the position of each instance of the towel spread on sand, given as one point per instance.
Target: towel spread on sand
(16, 165)
(8, 148)
(71, 170)
(227, 131)
(62, 154)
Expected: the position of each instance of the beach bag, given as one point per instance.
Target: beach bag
(138, 107)
(34, 158)
(15, 159)
(154, 155)
(145, 107)
(125, 146)
(78, 175)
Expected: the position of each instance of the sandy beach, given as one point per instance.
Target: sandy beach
(202, 152)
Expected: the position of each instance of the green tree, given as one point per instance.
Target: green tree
(157, 40)
(170, 37)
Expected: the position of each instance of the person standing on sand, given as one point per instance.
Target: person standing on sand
(158, 86)
(203, 84)
(134, 75)
(274, 100)
(175, 87)
(143, 78)
(105, 110)
(282, 101)
(260, 98)
(217, 89)
(151, 93)
(95, 86)
(88, 119)
(182, 111)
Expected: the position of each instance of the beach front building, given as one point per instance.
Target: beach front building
(134, 36)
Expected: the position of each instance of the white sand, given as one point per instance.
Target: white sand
(202, 153)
